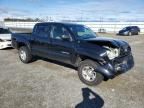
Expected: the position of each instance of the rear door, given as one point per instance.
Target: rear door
(41, 41)
(133, 30)
(62, 47)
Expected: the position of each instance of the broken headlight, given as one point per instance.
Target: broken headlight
(112, 53)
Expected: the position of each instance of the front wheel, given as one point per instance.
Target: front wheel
(87, 73)
(25, 55)
(130, 34)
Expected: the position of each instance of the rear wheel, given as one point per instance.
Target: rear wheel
(25, 55)
(87, 73)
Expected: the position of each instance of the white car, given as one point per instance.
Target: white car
(5, 38)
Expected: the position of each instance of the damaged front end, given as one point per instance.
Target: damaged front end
(111, 52)
(118, 57)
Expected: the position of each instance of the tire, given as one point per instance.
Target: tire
(26, 57)
(130, 34)
(97, 77)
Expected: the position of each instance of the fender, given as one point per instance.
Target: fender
(23, 41)
(91, 51)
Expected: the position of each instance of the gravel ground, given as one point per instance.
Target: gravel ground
(44, 84)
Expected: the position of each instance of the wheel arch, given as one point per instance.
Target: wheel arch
(101, 70)
(82, 57)
(20, 44)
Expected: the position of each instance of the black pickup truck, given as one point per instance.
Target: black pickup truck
(96, 58)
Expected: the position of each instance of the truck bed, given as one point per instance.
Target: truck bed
(22, 34)
(20, 37)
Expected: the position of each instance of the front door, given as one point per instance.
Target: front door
(62, 47)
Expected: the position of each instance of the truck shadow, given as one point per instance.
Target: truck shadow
(95, 102)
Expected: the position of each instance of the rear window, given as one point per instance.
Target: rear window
(42, 31)
(136, 27)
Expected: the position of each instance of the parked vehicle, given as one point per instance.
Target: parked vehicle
(5, 38)
(101, 30)
(130, 30)
(96, 58)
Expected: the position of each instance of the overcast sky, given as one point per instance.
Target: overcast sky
(73, 9)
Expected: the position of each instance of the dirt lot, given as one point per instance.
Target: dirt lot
(43, 84)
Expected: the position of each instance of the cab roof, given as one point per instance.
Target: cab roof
(59, 23)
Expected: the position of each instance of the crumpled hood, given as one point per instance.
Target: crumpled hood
(5, 36)
(104, 41)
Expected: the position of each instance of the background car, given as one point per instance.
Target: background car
(5, 38)
(130, 30)
(101, 30)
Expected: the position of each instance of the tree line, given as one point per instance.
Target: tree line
(23, 20)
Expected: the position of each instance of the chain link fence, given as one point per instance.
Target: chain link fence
(108, 27)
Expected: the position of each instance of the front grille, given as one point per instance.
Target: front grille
(124, 63)
(9, 44)
(124, 51)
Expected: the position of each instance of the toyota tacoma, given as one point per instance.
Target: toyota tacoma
(96, 58)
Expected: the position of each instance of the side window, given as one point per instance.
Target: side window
(60, 33)
(42, 31)
(133, 28)
(128, 28)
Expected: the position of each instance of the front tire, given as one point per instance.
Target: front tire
(24, 54)
(87, 73)
(130, 34)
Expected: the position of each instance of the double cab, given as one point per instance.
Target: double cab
(96, 58)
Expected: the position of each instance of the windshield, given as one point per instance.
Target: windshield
(4, 31)
(126, 28)
(82, 32)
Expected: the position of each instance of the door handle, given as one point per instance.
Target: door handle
(63, 52)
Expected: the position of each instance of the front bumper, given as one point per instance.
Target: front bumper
(117, 66)
(5, 44)
(120, 34)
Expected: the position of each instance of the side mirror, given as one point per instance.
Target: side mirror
(66, 38)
